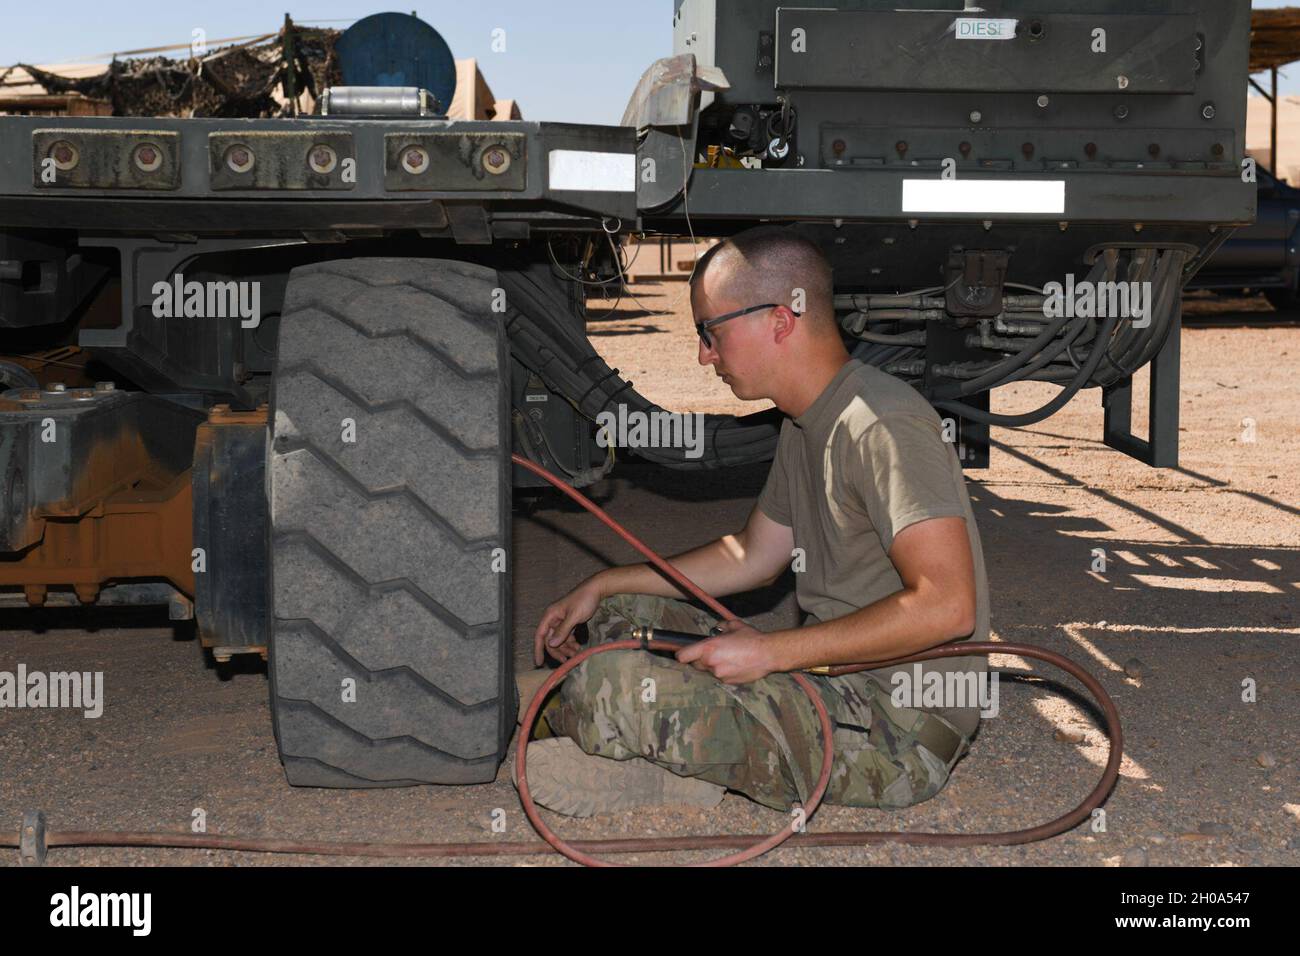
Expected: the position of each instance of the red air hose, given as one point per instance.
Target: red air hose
(1052, 828)
(749, 845)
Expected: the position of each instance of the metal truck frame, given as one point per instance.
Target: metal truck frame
(303, 349)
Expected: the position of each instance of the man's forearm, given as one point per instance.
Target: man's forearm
(719, 568)
(903, 623)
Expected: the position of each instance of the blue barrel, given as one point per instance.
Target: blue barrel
(397, 49)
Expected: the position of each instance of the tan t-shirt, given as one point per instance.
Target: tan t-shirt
(865, 461)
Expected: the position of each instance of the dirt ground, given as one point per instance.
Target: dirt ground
(1198, 596)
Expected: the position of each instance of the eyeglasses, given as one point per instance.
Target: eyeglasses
(703, 327)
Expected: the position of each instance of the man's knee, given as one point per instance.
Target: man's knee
(638, 681)
(596, 705)
(632, 703)
(606, 681)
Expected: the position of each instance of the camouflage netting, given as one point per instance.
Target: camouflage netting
(246, 80)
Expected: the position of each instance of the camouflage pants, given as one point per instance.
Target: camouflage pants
(761, 738)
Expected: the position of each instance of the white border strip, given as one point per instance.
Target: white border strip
(984, 195)
(589, 171)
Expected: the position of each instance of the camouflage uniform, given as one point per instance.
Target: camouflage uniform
(761, 738)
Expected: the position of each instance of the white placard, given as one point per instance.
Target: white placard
(984, 195)
(590, 171)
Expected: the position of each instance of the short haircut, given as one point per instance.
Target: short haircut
(767, 264)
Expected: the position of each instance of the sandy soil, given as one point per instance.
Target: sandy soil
(1199, 595)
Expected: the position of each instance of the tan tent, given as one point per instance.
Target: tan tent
(474, 99)
(1288, 135)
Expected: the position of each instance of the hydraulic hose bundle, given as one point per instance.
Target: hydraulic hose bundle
(1113, 348)
(1112, 356)
(548, 337)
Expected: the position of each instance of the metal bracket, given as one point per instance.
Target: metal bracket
(31, 839)
(1160, 450)
(664, 109)
(231, 524)
(470, 225)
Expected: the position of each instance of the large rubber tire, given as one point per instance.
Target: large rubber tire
(383, 549)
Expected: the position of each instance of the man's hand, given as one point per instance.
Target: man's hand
(555, 632)
(740, 655)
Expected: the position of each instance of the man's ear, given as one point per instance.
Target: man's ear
(783, 323)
